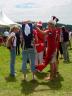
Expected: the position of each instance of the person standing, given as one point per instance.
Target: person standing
(60, 45)
(51, 49)
(65, 42)
(70, 38)
(5, 35)
(28, 51)
(39, 44)
(12, 49)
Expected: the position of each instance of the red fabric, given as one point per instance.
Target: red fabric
(39, 41)
(58, 37)
(51, 49)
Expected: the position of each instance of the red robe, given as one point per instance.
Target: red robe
(51, 38)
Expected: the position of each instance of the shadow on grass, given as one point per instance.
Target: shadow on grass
(41, 75)
(29, 87)
(10, 79)
(54, 84)
(44, 74)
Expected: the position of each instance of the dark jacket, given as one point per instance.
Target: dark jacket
(18, 38)
(65, 35)
(28, 39)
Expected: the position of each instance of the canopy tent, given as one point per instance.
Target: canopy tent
(2, 23)
(4, 20)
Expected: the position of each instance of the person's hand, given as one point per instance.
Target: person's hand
(38, 28)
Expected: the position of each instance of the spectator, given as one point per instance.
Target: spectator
(12, 49)
(28, 49)
(65, 41)
(6, 33)
(70, 37)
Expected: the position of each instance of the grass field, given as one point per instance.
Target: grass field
(62, 86)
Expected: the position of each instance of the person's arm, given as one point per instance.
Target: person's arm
(43, 32)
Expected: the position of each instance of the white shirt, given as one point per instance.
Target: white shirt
(27, 30)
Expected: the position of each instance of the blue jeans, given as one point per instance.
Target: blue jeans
(29, 53)
(65, 51)
(12, 61)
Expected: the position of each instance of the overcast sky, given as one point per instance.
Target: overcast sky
(35, 10)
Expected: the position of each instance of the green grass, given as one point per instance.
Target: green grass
(62, 86)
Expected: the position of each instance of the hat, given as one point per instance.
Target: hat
(39, 23)
(53, 20)
(63, 27)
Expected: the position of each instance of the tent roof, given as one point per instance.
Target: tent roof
(4, 20)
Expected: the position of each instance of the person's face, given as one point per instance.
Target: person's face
(40, 27)
(16, 30)
(50, 25)
(63, 29)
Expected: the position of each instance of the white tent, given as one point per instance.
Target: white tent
(2, 23)
(4, 20)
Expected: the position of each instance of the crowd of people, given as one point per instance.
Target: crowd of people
(40, 47)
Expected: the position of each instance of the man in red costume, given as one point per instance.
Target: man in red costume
(51, 50)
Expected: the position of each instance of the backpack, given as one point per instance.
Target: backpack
(9, 42)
